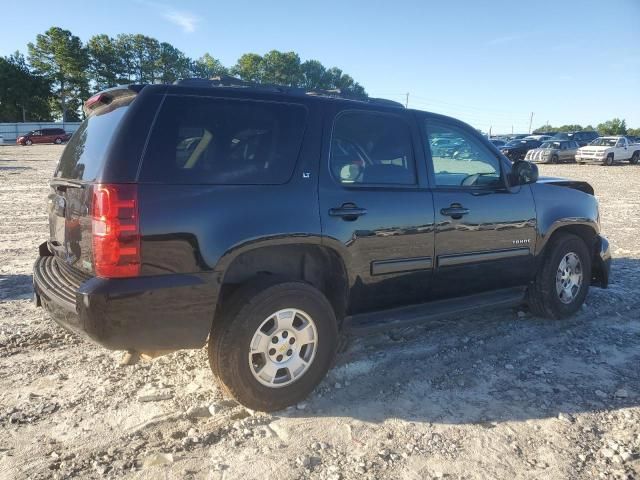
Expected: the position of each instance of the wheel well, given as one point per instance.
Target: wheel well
(585, 232)
(319, 266)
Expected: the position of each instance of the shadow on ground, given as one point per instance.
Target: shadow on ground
(496, 366)
(15, 287)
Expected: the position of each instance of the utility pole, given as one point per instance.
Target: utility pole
(406, 105)
(530, 122)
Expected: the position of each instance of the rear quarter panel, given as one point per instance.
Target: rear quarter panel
(196, 228)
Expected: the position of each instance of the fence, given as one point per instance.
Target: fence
(11, 131)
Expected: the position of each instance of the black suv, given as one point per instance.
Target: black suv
(267, 220)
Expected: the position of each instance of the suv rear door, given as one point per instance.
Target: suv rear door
(485, 232)
(375, 207)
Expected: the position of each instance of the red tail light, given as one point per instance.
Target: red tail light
(116, 232)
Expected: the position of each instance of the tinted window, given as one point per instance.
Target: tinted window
(213, 141)
(372, 148)
(466, 161)
(84, 155)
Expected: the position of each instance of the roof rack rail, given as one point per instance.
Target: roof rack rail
(233, 82)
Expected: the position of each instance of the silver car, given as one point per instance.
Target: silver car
(554, 151)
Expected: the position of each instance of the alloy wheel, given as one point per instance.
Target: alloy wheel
(283, 348)
(569, 278)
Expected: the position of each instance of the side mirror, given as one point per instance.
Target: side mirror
(523, 173)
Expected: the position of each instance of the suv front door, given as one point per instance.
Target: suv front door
(485, 231)
(374, 206)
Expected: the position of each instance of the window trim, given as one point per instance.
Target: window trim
(388, 186)
(424, 121)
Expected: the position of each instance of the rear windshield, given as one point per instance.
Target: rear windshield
(84, 155)
(198, 140)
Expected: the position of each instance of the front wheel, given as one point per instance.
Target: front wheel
(28, 142)
(554, 159)
(635, 157)
(273, 343)
(562, 281)
(58, 141)
(609, 160)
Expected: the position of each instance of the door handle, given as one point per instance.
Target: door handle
(348, 211)
(455, 211)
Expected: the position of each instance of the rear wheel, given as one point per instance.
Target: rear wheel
(562, 281)
(609, 160)
(635, 157)
(273, 343)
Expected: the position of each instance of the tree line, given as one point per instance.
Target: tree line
(614, 126)
(60, 72)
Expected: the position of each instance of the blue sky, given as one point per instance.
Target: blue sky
(490, 63)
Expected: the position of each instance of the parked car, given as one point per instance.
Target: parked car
(265, 220)
(1, 140)
(44, 135)
(540, 138)
(497, 143)
(554, 151)
(608, 150)
(583, 137)
(517, 149)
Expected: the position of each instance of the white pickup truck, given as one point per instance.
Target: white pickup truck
(608, 150)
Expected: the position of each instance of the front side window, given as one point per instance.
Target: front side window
(371, 148)
(210, 141)
(465, 161)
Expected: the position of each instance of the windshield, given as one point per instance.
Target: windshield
(515, 143)
(550, 145)
(563, 136)
(604, 142)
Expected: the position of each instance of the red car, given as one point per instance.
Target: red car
(45, 135)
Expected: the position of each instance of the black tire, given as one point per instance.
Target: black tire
(240, 318)
(542, 296)
(609, 160)
(554, 159)
(634, 158)
(58, 141)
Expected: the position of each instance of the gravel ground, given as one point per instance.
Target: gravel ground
(497, 395)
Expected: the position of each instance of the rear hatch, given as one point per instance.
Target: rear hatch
(80, 167)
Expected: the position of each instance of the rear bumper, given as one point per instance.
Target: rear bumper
(601, 267)
(162, 312)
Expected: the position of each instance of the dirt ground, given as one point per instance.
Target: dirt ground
(489, 396)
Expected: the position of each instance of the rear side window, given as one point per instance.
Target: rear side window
(84, 155)
(200, 140)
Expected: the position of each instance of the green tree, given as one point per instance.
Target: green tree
(171, 64)
(337, 79)
(24, 96)
(281, 68)
(634, 132)
(313, 74)
(61, 58)
(249, 67)
(140, 56)
(207, 67)
(106, 65)
(614, 126)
